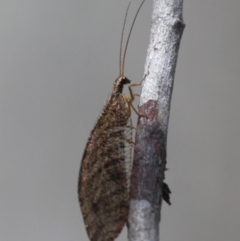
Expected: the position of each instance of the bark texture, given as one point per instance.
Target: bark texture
(149, 162)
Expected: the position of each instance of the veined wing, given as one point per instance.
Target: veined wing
(105, 172)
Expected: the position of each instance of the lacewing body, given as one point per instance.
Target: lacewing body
(104, 178)
(104, 175)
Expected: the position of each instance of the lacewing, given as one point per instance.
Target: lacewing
(104, 178)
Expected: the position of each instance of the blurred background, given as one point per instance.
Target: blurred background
(59, 60)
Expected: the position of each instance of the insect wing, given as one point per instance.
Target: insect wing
(105, 171)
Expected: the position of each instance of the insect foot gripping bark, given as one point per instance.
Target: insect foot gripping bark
(104, 178)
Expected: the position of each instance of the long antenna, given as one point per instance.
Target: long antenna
(125, 50)
(120, 55)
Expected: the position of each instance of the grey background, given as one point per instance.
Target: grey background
(58, 62)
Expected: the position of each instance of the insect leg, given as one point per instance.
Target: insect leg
(134, 108)
(136, 95)
(131, 105)
(134, 85)
(130, 142)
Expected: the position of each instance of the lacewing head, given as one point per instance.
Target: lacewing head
(119, 83)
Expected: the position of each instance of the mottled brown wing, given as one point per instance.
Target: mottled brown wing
(105, 172)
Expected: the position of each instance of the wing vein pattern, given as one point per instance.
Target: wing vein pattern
(105, 171)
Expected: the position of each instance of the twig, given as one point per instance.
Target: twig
(151, 137)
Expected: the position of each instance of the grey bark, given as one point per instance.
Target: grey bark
(149, 162)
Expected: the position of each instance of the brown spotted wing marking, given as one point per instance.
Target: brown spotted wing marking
(105, 171)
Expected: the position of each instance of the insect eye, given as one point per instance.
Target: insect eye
(126, 80)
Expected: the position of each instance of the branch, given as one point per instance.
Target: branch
(149, 162)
